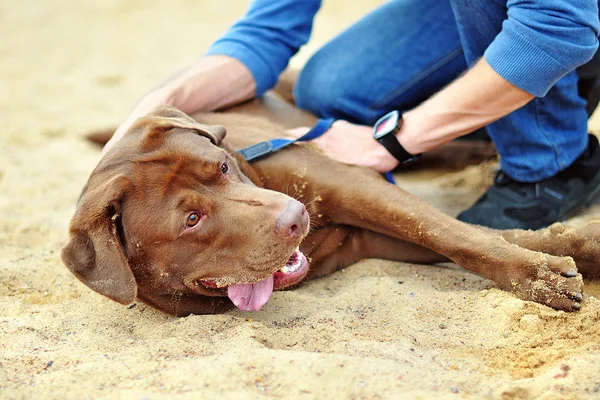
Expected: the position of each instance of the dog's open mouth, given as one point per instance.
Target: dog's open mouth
(292, 272)
(252, 296)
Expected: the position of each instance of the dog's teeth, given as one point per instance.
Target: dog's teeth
(295, 265)
(288, 269)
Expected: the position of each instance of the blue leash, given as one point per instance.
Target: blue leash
(271, 146)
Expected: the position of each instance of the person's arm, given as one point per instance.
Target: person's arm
(540, 42)
(477, 98)
(212, 83)
(543, 40)
(265, 39)
(243, 63)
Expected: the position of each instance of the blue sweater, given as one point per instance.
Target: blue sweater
(540, 41)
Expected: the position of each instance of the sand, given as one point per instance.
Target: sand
(377, 330)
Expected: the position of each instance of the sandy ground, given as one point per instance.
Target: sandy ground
(376, 330)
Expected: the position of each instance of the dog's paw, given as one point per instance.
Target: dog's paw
(549, 280)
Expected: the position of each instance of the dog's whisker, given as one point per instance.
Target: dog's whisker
(310, 202)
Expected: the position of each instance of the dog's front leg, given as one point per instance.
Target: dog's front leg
(375, 205)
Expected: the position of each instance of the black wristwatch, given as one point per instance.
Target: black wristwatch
(385, 133)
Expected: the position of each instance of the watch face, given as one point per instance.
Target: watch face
(386, 124)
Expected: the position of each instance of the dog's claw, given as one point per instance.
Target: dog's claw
(575, 296)
(576, 306)
(570, 274)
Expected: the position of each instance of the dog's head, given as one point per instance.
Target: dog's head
(169, 217)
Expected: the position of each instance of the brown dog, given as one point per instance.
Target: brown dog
(173, 216)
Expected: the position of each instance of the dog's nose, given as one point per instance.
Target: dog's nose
(293, 222)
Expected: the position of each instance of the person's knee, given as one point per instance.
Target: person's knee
(325, 88)
(319, 87)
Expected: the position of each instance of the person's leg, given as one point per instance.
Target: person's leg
(546, 135)
(535, 143)
(393, 58)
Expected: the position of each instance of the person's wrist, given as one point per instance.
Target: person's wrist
(167, 95)
(385, 160)
(387, 132)
(407, 135)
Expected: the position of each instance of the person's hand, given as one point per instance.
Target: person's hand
(351, 144)
(143, 107)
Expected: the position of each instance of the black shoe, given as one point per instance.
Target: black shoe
(516, 205)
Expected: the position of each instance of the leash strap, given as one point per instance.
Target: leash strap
(389, 177)
(271, 146)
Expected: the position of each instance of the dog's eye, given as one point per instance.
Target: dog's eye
(192, 220)
(224, 168)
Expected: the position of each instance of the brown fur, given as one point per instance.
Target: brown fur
(128, 238)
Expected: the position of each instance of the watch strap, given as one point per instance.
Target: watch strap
(393, 146)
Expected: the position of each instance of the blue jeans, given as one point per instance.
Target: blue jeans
(406, 50)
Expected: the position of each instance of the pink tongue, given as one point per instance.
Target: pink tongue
(253, 296)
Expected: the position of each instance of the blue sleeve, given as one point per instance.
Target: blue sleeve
(543, 40)
(265, 39)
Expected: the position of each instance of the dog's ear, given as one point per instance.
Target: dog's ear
(95, 253)
(175, 118)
